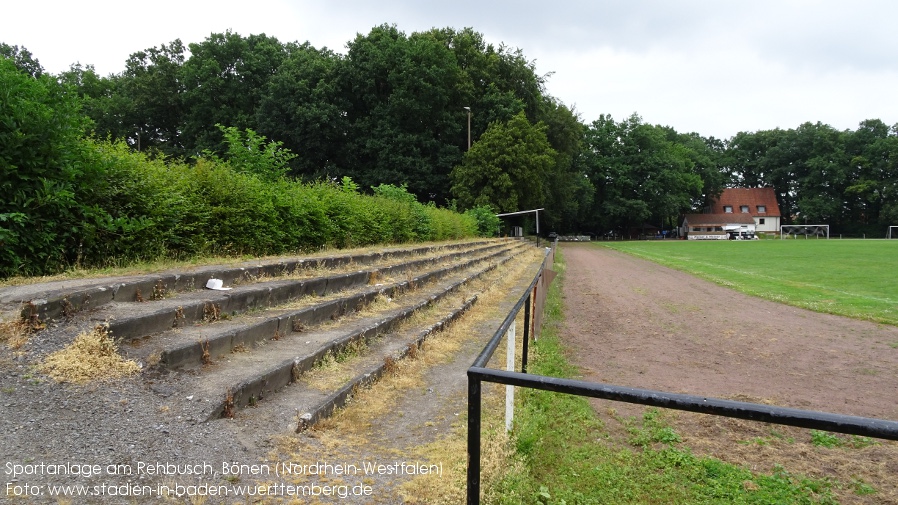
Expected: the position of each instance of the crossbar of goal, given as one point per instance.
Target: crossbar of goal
(794, 230)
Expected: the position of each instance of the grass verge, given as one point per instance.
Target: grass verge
(564, 454)
(851, 278)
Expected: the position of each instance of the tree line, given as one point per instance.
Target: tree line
(75, 200)
(392, 111)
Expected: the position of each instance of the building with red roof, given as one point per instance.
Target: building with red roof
(738, 212)
(759, 203)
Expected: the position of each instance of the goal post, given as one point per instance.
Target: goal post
(807, 230)
(893, 232)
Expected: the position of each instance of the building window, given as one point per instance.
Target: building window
(762, 209)
(744, 209)
(728, 209)
(761, 220)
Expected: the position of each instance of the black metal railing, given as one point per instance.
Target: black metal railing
(478, 373)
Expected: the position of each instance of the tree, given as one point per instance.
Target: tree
(497, 83)
(301, 107)
(404, 125)
(639, 174)
(873, 173)
(154, 114)
(224, 81)
(705, 155)
(506, 168)
(103, 101)
(22, 59)
(569, 193)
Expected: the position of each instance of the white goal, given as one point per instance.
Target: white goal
(893, 232)
(806, 230)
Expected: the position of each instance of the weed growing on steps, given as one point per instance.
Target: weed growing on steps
(211, 312)
(68, 310)
(411, 350)
(206, 358)
(228, 408)
(92, 356)
(179, 317)
(390, 366)
(159, 290)
(333, 368)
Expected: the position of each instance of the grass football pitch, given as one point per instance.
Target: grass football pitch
(854, 278)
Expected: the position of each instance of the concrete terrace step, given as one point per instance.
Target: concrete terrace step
(239, 379)
(63, 299)
(187, 345)
(129, 320)
(246, 378)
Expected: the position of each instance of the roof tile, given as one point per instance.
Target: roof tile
(753, 197)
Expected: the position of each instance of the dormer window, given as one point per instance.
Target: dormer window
(728, 209)
(744, 209)
(762, 209)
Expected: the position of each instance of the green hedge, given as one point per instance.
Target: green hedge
(149, 208)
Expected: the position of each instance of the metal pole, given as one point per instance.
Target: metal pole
(474, 396)
(537, 228)
(469, 127)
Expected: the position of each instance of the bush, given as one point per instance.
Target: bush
(151, 209)
(47, 188)
(485, 219)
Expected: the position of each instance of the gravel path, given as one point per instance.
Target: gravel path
(635, 323)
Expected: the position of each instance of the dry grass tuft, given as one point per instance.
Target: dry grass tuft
(15, 329)
(91, 357)
(391, 366)
(14, 333)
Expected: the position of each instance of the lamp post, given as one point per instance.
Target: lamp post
(469, 126)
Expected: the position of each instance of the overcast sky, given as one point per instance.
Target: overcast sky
(715, 67)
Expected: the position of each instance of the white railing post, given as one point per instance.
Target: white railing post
(509, 365)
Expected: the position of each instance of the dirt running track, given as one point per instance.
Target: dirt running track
(634, 323)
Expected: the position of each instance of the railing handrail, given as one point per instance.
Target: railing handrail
(477, 373)
(840, 423)
(490, 348)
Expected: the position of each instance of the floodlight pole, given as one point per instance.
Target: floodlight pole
(469, 126)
